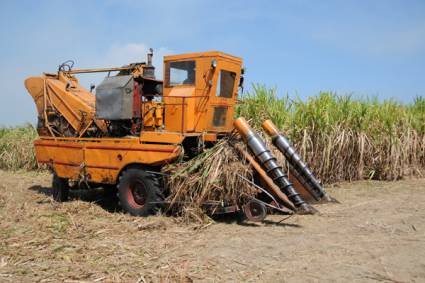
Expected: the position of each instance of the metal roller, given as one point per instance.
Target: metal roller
(300, 169)
(264, 156)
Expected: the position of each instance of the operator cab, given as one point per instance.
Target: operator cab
(200, 92)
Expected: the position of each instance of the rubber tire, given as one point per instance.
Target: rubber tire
(152, 189)
(60, 188)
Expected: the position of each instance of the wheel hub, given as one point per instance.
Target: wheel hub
(137, 194)
(255, 211)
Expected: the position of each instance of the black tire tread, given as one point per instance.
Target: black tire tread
(155, 188)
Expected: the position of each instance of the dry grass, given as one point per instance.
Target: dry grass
(211, 177)
(16, 148)
(45, 241)
(85, 241)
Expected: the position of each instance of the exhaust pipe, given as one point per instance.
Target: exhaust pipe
(300, 169)
(150, 55)
(263, 154)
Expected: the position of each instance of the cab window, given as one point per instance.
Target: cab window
(219, 118)
(225, 84)
(180, 73)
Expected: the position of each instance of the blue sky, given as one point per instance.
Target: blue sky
(365, 48)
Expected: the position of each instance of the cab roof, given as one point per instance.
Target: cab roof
(209, 54)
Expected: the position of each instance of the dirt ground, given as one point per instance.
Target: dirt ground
(376, 233)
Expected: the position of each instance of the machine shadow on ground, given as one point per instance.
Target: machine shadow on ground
(104, 198)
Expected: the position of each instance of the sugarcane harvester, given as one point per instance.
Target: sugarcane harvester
(134, 124)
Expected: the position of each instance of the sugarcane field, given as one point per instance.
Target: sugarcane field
(198, 148)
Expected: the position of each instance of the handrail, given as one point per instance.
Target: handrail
(99, 70)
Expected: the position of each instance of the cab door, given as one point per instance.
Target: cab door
(223, 96)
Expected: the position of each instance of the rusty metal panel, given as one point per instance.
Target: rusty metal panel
(114, 98)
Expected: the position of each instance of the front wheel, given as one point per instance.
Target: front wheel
(139, 192)
(60, 188)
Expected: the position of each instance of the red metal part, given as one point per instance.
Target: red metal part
(136, 101)
(255, 211)
(136, 195)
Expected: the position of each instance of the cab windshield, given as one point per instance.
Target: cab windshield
(180, 73)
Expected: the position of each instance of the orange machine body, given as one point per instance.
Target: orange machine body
(100, 160)
(200, 108)
(207, 105)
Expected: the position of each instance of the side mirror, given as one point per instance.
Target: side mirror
(92, 87)
(241, 81)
